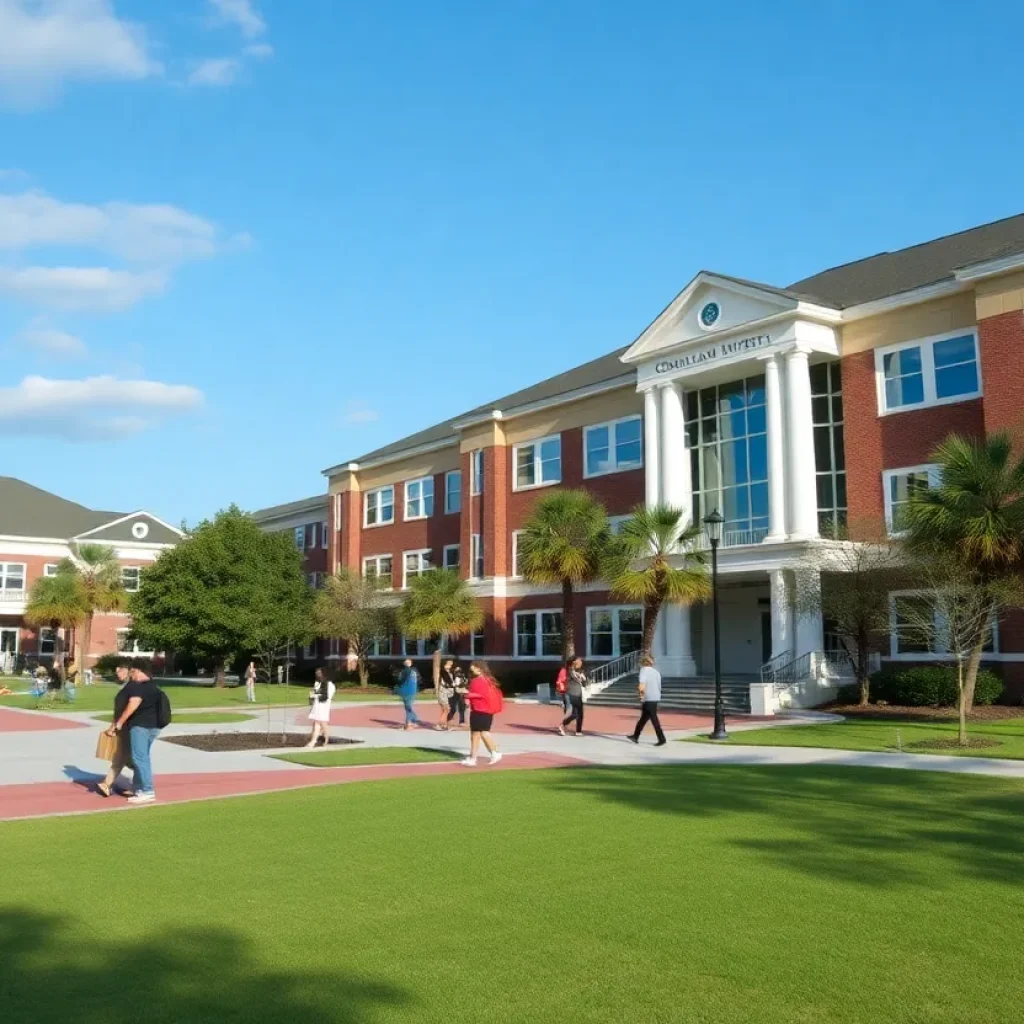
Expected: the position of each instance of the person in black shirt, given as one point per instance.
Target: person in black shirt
(123, 757)
(141, 718)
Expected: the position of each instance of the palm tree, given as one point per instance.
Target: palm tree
(99, 570)
(974, 517)
(564, 542)
(58, 602)
(439, 604)
(654, 561)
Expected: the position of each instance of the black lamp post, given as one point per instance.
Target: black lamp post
(713, 521)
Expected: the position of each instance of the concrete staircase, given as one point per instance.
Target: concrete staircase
(696, 694)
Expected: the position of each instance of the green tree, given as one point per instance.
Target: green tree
(60, 603)
(227, 589)
(98, 569)
(357, 609)
(972, 526)
(654, 560)
(564, 542)
(439, 605)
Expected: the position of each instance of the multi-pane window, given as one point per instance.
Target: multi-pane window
(453, 491)
(538, 634)
(613, 447)
(378, 567)
(415, 563)
(917, 627)
(300, 538)
(419, 498)
(451, 556)
(612, 632)
(928, 372)
(476, 470)
(829, 452)
(476, 555)
(900, 486)
(323, 535)
(379, 647)
(126, 644)
(12, 576)
(379, 506)
(476, 645)
(727, 434)
(48, 640)
(130, 577)
(538, 463)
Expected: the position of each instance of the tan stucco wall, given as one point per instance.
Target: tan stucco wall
(922, 321)
(611, 405)
(1001, 295)
(485, 435)
(409, 469)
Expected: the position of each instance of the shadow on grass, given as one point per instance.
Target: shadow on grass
(854, 824)
(171, 977)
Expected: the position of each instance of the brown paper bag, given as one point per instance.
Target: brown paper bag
(106, 747)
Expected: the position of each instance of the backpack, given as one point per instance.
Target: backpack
(163, 709)
(497, 699)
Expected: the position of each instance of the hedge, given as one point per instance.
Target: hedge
(924, 686)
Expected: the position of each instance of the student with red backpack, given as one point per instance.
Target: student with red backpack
(485, 701)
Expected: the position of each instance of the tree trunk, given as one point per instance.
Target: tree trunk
(568, 620)
(969, 682)
(436, 663)
(218, 675)
(862, 668)
(652, 609)
(363, 668)
(962, 701)
(83, 646)
(58, 652)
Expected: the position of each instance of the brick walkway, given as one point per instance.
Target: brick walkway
(13, 720)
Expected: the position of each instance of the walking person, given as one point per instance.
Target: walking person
(458, 702)
(320, 712)
(407, 688)
(146, 711)
(575, 680)
(650, 694)
(446, 695)
(122, 755)
(563, 674)
(250, 682)
(485, 701)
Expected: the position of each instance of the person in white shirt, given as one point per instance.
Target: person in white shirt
(320, 712)
(650, 694)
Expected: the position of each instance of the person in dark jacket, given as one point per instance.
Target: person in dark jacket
(407, 688)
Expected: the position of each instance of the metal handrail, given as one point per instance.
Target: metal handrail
(611, 671)
(772, 665)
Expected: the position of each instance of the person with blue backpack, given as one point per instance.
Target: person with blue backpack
(407, 688)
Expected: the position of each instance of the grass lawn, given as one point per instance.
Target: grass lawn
(197, 718)
(368, 755)
(696, 894)
(889, 735)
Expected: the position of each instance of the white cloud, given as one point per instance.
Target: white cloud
(45, 43)
(215, 71)
(358, 412)
(260, 51)
(47, 340)
(241, 13)
(81, 289)
(95, 408)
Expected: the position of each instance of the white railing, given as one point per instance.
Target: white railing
(786, 669)
(12, 596)
(611, 671)
(734, 538)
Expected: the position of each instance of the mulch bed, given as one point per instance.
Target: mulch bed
(216, 741)
(973, 743)
(988, 713)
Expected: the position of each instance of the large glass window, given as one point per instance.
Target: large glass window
(130, 577)
(539, 462)
(476, 472)
(613, 447)
(900, 487)
(379, 507)
(419, 498)
(415, 563)
(928, 372)
(12, 576)
(727, 434)
(453, 491)
(538, 634)
(829, 453)
(378, 567)
(612, 632)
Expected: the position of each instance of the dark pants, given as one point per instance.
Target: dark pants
(564, 698)
(457, 703)
(575, 712)
(649, 713)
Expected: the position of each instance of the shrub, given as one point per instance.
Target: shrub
(850, 694)
(930, 686)
(107, 663)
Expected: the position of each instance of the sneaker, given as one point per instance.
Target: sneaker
(495, 757)
(142, 798)
(561, 731)
(661, 743)
(469, 762)
(633, 739)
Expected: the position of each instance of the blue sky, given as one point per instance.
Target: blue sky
(243, 240)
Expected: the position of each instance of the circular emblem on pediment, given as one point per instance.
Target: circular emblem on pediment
(709, 314)
(140, 530)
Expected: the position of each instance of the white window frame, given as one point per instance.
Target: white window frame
(376, 492)
(613, 610)
(134, 651)
(5, 574)
(50, 569)
(422, 554)
(448, 510)
(538, 612)
(941, 653)
(300, 537)
(323, 535)
(536, 445)
(927, 347)
(457, 548)
(476, 472)
(476, 556)
(48, 635)
(376, 559)
(473, 638)
(615, 523)
(934, 479)
(420, 481)
(516, 574)
(138, 578)
(610, 425)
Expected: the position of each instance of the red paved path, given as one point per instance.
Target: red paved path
(27, 721)
(40, 799)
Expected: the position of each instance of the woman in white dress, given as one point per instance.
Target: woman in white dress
(320, 712)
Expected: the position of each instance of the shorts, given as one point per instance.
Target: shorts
(480, 721)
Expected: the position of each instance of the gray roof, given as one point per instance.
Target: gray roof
(28, 511)
(317, 503)
(876, 277)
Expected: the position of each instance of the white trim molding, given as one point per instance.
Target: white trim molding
(927, 372)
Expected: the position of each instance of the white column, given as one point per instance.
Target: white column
(652, 449)
(809, 630)
(781, 611)
(776, 457)
(803, 494)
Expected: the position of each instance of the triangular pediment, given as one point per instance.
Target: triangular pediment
(710, 306)
(138, 527)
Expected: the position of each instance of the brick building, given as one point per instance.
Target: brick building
(789, 409)
(37, 530)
